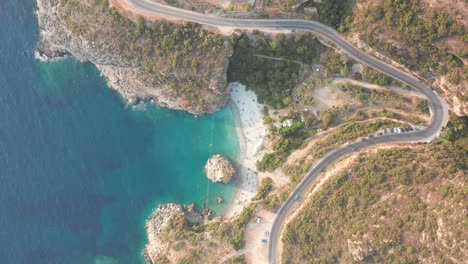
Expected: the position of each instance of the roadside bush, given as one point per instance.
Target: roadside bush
(265, 187)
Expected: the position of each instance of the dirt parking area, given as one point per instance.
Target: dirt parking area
(257, 236)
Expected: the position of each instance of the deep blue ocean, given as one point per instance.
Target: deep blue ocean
(80, 170)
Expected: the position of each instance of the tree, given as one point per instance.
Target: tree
(344, 70)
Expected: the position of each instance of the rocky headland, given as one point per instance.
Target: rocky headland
(165, 220)
(218, 168)
(182, 67)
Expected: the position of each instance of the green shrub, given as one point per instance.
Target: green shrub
(265, 188)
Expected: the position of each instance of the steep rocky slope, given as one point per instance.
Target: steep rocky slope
(160, 225)
(181, 67)
(182, 234)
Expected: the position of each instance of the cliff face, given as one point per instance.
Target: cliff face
(180, 67)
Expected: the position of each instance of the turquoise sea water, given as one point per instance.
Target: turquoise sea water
(80, 171)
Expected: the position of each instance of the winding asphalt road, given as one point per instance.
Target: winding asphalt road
(439, 112)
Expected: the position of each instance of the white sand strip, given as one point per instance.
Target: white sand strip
(250, 131)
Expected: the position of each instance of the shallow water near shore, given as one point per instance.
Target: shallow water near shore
(80, 171)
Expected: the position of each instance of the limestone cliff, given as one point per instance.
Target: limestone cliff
(180, 67)
(219, 168)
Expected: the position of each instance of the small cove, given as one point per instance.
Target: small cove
(80, 170)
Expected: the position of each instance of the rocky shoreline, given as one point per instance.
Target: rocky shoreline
(159, 224)
(123, 73)
(251, 132)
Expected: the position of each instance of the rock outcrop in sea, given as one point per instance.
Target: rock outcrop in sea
(218, 168)
(142, 61)
(158, 226)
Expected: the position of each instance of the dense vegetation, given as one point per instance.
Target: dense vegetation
(417, 30)
(184, 58)
(205, 243)
(265, 188)
(334, 12)
(272, 67)
(290, 138)
(379, 78)
(400, 205)
(335, 63)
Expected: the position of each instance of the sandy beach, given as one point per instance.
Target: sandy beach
(251, 132)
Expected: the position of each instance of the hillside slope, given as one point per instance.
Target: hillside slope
(397, 205)
(181, 67)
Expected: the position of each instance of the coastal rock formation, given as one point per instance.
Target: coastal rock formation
(159, 225)
(219, 168)
(180, 67)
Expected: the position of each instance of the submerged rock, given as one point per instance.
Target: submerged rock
(219, 168)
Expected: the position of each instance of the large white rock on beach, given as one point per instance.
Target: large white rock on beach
(219, 168)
